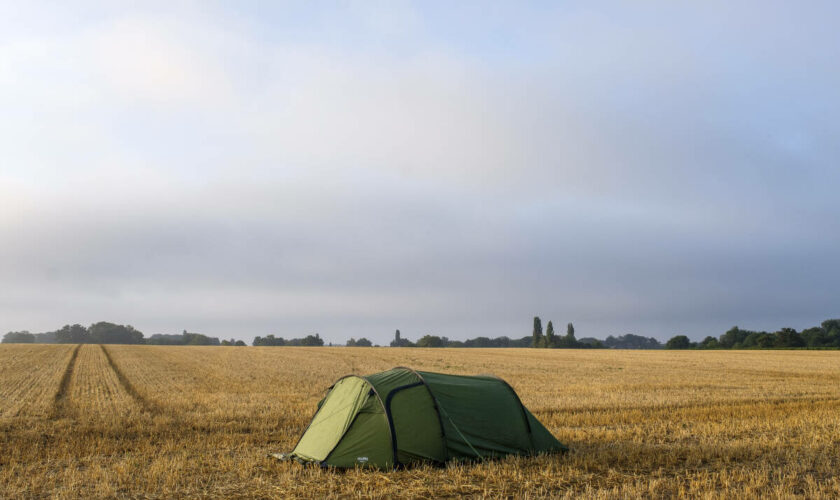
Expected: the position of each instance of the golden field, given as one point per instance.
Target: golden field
(167, 422)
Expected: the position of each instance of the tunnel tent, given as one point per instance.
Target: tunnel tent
(404, 417)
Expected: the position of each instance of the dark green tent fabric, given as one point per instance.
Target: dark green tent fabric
(403, 417)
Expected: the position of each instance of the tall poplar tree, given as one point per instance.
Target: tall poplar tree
(537, 340)
(550, 340)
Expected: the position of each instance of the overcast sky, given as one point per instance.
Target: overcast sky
(454, 168)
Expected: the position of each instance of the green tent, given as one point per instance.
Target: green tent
(404, 417)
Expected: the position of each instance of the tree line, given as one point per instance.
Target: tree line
(437, 341)
(537, 339)
(825, 336)
(271, 340)
(105, 332)
(550, 340)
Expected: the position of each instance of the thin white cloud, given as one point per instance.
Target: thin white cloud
(145, 61)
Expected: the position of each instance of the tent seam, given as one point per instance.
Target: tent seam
(388, 400)
(437, 408)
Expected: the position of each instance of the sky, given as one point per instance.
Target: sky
(448, 168)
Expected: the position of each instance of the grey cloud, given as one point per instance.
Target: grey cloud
(650, 172)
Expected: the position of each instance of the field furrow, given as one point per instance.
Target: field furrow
(30, 376)
(95, 391)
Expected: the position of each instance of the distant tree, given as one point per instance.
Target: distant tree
(22, 337)
(199, 339)
(764, 340)
(363, 342)
(269, 340)
(590, 343)
(400, 341)
(537, 334)
(110, 333)
(45, 338)
(75, 334)
(815, 337)
(550, 341)
(756, 340)
(709, 343)
(478, 342)
(521, 341)
(733, 337)
(832, 332)
(240, 343)
(830, 324)
(678, 342)
(227, 342)
(430, 341)
(827, 335)
(165, 339)
(312, 340)
(631, 341)
(569, 341)
(488, 342)
(788, 337)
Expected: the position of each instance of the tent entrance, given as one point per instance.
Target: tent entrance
(333, 419)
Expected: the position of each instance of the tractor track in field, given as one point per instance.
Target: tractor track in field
(63, 407)
(177, 425)
(59, 407)
(126, 384)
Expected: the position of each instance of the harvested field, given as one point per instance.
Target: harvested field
(149, 421)
(31, 379)
(95, 391)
